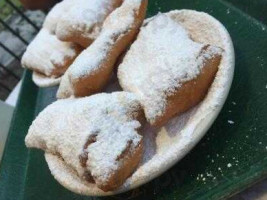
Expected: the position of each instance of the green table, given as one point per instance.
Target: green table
(6, 113)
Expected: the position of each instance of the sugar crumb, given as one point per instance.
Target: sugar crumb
(209, 174)
(231, 122)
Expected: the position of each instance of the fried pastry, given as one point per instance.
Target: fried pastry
(167, 70)
(83, 20)
(92, 69)
(96, 137)
(48, 56)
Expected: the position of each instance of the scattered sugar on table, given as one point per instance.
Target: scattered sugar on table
(231, 122)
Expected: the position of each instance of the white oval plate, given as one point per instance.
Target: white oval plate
(166, 146)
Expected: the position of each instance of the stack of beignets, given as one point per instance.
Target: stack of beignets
(68, 28)
(163, 73)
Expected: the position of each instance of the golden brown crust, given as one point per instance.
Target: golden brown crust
(95, 82)
(77, 37)
(191, 92)
(129, 162)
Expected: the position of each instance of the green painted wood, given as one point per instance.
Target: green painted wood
(13, 168)
(230, 158)
(255, 8)
(6, 113)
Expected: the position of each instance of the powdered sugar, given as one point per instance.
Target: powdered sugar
(170, 143)
(90, 59)
(85, 17)
(122, 19)
(55, 13)
(45, 51)
(46, 54)
(65, 89)
(64, 127)
(160, 60)
(58, 57)
(117, 23)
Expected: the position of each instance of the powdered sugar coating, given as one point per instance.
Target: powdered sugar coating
(117, 23)
(90, 59)
(59, 10)
(45, 51)
(88, 62)
(168, 59)
(84, 17)
(173, 141)
(65, 88)
(64, 127)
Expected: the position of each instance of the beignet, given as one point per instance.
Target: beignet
(92, 69)
(96, 136)
(167, 70)
(83, 20)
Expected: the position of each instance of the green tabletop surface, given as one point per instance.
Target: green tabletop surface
(255, 8)
(231, 157)
(6, 112)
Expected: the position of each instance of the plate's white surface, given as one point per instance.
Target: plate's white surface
(166, 146)
(43, 81)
